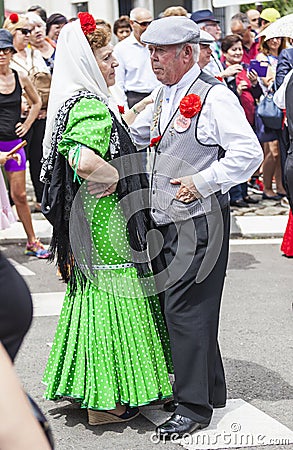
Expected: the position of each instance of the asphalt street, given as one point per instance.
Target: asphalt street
(255, 338)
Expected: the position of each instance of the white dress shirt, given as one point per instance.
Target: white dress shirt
(134, 72)
(222, 122)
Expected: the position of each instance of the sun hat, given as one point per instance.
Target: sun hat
(171, 30)
(6, 39)
(270, 15)
(203, 15)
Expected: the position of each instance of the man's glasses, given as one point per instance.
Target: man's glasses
(143, 24)
(25, 31)
(5, 51)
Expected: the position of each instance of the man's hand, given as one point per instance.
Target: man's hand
(187, 192)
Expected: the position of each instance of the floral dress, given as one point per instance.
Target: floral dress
(111, 344)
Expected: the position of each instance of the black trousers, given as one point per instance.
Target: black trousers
(196, 254)
(15, 307)
(34, 152)
(135, 97)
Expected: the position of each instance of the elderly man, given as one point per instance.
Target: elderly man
(240, 25)
(203, 145)
(134, 74)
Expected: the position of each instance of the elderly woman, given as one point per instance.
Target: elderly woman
(39, 41)
(108, 351)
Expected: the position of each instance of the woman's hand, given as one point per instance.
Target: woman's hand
(253, 77)
(242, 86)
(5, 157)
(21, 129)
(231, 71)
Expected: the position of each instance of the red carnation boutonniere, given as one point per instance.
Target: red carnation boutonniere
(87, 22)
(13, 18)
(121, 109)
(154, 142)
(190, 105)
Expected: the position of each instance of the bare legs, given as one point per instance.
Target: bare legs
(18, 194)
(271, 168)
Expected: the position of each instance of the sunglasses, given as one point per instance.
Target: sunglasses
(25, 31)
(5, 51)
(143, 24)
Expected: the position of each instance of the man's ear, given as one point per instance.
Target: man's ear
(187, 50)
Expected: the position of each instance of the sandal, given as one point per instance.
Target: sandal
(103, 417)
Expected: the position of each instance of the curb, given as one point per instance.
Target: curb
(242, 227)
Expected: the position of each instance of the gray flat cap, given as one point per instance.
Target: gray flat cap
(205, 38)
(171, 30)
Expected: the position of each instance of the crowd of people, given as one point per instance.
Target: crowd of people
(176, 87)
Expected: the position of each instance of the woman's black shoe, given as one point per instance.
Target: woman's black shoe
(239, 203)
(251, 200)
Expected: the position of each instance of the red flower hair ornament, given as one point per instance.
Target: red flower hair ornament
(87, 22)
(155, 141)
(13, 18)
(190, 105)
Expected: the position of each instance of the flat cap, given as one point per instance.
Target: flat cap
(171, 30)
(203, 15)
(206, 38)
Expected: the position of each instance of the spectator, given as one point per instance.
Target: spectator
(247, 89)
(134, 74)
(283, 99)
(38, 10)
(13, 130)
(253, 16)
(267, 16)
(175, 11)
(240, 25)
(122, 28)
(29, 61)
(54, 24)
(207, 22)
(205, 41)
(39, 41)
(269, 53)
(6, 214)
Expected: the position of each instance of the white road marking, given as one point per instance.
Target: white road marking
(47, 304)
(22, 270)
(273, 241)
(238, 425)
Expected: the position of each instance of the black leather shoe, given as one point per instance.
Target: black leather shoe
(177, 426)
(170, 406)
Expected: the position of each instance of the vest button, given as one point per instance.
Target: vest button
(154, 192)
(153, 210)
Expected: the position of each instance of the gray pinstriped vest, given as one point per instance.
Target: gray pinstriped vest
(179, 154)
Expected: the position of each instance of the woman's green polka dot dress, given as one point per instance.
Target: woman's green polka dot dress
(111, 344)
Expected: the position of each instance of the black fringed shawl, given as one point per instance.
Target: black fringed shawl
(60, 190)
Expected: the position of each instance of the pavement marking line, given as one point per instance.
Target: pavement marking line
(22, 270)
(238, 425)
(256, 241)
(47, 303)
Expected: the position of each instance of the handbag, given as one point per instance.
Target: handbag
(268, 111)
